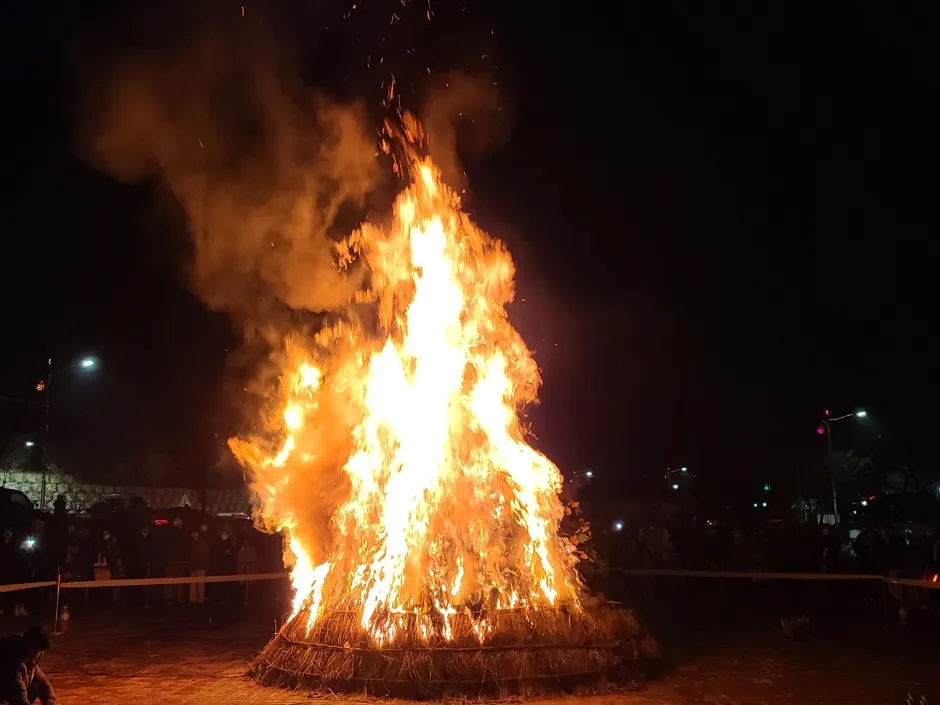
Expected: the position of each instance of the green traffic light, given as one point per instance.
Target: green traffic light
(766, 488)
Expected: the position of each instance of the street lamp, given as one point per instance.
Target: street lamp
(86, 363)
(827, 422)
(30, 444)
(581, 478)
(669, 476)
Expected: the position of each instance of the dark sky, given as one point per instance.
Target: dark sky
(720, 214)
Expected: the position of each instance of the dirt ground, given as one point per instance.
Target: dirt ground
(202, 656)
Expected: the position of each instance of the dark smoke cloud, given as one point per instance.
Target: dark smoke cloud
(261, 164)
(464, 115)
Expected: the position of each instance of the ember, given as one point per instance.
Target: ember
(434, 559)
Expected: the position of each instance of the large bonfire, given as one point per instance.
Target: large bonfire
(431, 560)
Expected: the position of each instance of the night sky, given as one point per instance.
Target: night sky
(720, 214)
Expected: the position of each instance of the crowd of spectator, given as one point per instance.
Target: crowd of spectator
(779, 547)
(73, 548)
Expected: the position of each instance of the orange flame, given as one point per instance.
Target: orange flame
(432, 500)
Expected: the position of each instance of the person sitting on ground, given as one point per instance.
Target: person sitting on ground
(22, 682)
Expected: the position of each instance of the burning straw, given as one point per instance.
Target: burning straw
(423, 529)
(524, 652)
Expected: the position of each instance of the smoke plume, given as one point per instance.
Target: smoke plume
(463, 114)
(261, 164)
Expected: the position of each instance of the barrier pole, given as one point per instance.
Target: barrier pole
(147, 589)
(247, 582)
(884, 598)
(58, 591)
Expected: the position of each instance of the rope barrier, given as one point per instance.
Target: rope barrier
(914, 583)
(16, 587)
(144, 582)
(666, 572)
(182, 580)
(750, 575)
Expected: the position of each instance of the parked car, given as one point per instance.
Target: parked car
(191, 518)
(119, 513)
(17, 511)
(234, 519)
(117, 503)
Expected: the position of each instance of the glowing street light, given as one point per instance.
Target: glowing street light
(589, 473)
(675, 485)
(826, 427)
(618, 526)
(30, 444)
(670, 472)
(86, 363)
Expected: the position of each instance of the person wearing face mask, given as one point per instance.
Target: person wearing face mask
(199, 556)
(177, 551)
(108, 566)
(138, 562)
(246, 560)
(223, 562)
(70, 555)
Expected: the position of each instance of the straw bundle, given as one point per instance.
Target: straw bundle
(522, 651)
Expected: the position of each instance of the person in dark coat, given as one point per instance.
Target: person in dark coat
(12, 570)
(223, 563)
(22, 681)
(175, 551)
(199, 557)
(138, 561)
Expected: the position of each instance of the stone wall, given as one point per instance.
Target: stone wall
(80, 496)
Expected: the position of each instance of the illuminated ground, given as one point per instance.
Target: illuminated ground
(159, 661)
